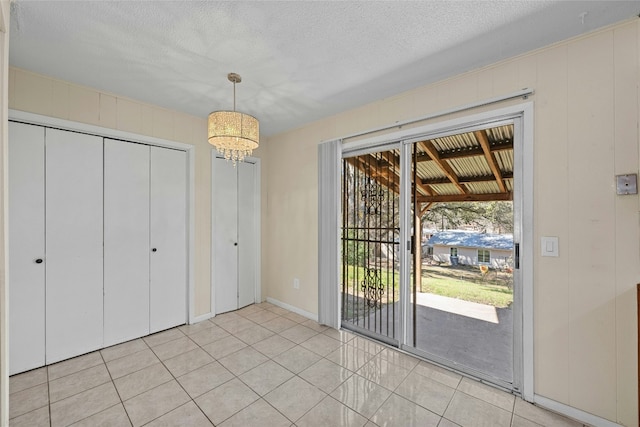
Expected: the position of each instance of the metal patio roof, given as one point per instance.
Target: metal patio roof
(468, 166)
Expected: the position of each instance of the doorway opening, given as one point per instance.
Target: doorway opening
(449, 293)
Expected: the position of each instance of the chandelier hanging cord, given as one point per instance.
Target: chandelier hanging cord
(234, 78)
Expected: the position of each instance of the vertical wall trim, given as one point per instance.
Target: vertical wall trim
(191, 235)
(329, 156)
(527, 256)
(4, 283)
(212, 284)
(257, 224)
(405, 326)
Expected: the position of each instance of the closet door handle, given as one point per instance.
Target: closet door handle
(154, 250)
(235, 244)
(39, 261)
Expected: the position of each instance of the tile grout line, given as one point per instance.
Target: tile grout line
(362, 345)
(234, 377)
(191, 399)
(293, 373)
(113, 380)
(324, 357)
(116, 388)
(369, 360)
(92, 388)
(216, 361)
(174, 378)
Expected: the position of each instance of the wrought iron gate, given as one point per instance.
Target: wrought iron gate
(370, 243)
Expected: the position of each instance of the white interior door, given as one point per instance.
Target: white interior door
(126, 241)
(74, 226)
(26, 247)
(247, 232)
(225, 235)
(168, 267)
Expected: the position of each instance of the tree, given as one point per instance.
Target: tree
(496, 217)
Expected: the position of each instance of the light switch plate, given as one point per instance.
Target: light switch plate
(549, 246)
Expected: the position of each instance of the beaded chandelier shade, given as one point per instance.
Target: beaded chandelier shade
(235, 135)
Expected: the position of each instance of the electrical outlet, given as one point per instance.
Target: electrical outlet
(296, 283)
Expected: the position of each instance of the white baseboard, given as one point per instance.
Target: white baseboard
(296, 310)
(571, 412)
(200, 318)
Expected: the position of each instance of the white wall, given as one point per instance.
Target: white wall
(585, 132)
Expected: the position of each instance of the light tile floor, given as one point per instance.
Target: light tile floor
(260, 366)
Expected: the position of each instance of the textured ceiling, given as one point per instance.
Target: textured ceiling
(299, 60)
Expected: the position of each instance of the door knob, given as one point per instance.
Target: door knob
(154, 250)
(235, 244)
(39, 261)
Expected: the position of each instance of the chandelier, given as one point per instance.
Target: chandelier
(235, 135)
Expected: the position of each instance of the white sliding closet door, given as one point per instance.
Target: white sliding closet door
(126, 241)
(168, 216)
(247, 233)
(234, 234)
(225, 235)
(74, 317)
(26, 247)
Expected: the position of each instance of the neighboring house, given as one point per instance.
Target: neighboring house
(472, 248)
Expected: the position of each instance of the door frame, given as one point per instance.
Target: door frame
(257, 220)
(56, 123)
(464, 125)
(522, 115)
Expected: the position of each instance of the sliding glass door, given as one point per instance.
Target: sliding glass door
(430, 239)
(463, 256)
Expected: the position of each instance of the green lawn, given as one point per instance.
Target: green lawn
(462, 283)
(490, 294)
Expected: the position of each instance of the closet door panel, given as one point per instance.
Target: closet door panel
(26, 245)
(126, 241)
(168, 216)
(225, 235)
(74, 224)
(247, 230)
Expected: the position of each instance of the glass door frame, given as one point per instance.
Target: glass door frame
(521, 115)
(406, 233)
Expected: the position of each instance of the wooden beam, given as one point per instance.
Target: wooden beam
(394, 160)
(466, 179)
(507, 144)
(443, 165)
(481, 136)
(488, 197)
(372, 165)
(394, 167)
(425, 209)
(382, 178)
